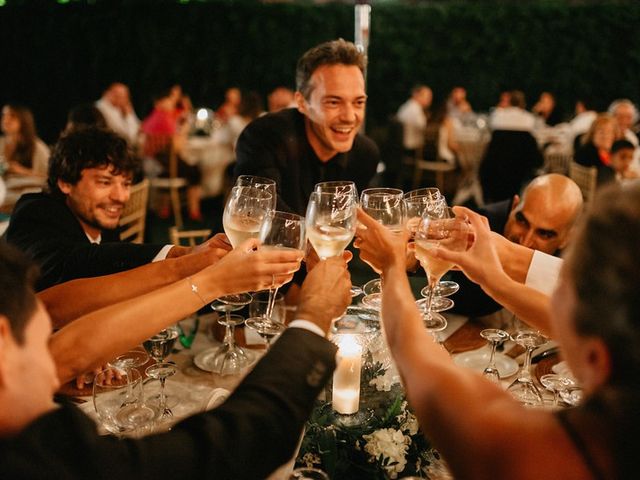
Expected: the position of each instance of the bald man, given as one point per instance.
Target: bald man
(543, 219)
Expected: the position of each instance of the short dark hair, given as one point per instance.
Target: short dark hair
(85, 115)
(604, 267)
(90, 147)
(335, 52)
(622, 145)
(17, 298)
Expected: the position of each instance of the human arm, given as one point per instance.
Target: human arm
(116, 328)
(477, 426)
(482, 264)
(69, 300)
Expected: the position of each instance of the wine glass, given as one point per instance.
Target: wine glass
(261, 183)
(118, 399)
(523, 388)
(494, 336)
(556, 383)
(280, 230)
(439, 228)
(159, 346)
(387, 207)
(331, 223)
(134, 358)
(230, 358)
(161, 371)
(244, 212)
(307, 473)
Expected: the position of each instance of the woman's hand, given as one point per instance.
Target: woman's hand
(249, 268)
(379, 247)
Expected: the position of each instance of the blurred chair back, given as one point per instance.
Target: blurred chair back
(132, 221)
(586, 178)
(189, 238)
(557, 162)
(510, 161)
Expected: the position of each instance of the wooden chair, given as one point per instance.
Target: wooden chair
(173, 183)
(134, 214)
(188, 238)
(586, 178)
(557, 162)
(437, 167)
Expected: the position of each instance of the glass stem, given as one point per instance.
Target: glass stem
(272, 301)
(492, 357)
(431, 288)
(163, 399)
(230, 337)
(524, 372)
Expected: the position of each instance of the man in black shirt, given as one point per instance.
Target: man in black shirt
(319, 140)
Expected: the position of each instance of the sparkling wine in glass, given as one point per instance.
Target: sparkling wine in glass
(387, 207)
(280, 231)
(331, 223)
(244, 213)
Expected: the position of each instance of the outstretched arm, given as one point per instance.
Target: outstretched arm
(67, 301)
(482, 264)
(96, 338)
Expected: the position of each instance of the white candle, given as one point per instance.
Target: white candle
(346, 378)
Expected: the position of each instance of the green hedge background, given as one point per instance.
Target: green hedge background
(54, 56)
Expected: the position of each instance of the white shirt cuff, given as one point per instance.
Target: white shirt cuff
(307, 325)
(543, 272)
(162, 254)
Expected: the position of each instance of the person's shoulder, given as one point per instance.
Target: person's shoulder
(365, 145)
(37, 200)
(277, 121)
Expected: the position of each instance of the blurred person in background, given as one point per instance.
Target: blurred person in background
(280, 98)
(115, 105)
(24, 153)
(546, 109)
(229, 108)
(595, 148)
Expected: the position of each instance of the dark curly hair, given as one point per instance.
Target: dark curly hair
(17, 298)
(89, 147)
(335, 52)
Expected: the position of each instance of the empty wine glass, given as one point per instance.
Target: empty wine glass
(159, 346)
(387, 207)
(523, 388)
(118, 400)
(556, 383)
(229, 358)
(134, 358)
(280, 231)
(161, 371)
(261, 183)
(494, 336)
(306, 473)
(339, 187)
(439, 228)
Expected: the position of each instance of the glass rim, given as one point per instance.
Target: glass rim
(260, 194)
(259, 180)
(285, 215)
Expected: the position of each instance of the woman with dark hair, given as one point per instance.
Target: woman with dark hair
(24, 153)
(595, 147)
(479, 428)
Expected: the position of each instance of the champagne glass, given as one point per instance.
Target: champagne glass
(556, 383)
(494, 336)
(244, 212)
(262, 183)
(134, 358)
(387, 207)
(331, 223)
(159, 346)
(161, 371)
(229, 358)
(438, 228)
(118, 400)
(418, 202)
(523, 388)
(280, 230)
(339, 188)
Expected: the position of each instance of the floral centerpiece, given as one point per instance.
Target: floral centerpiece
(387, 445)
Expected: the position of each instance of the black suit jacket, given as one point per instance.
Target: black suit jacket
(255, 431)
(45, 228)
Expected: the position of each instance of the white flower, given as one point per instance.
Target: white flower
(407, 420)
(311, 459)
(389, 447)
